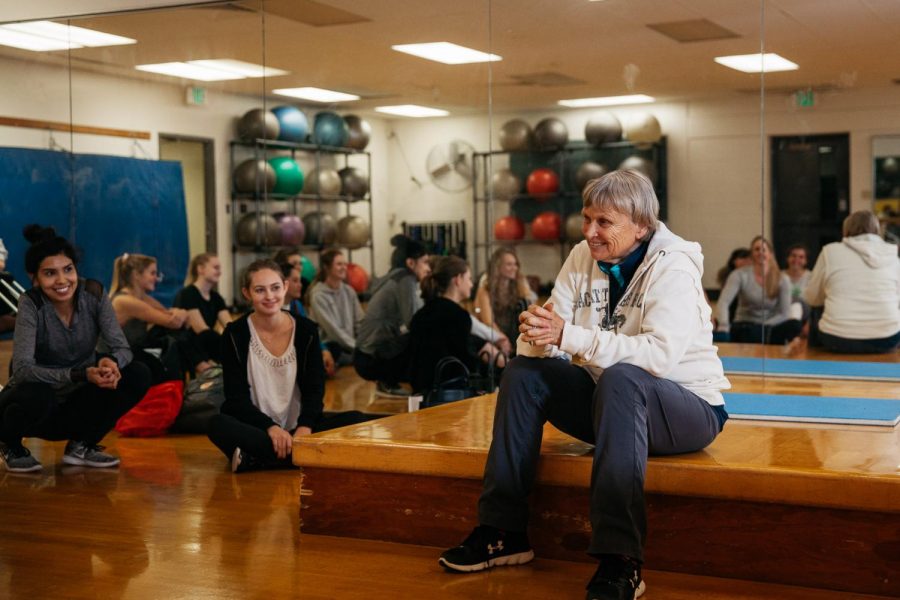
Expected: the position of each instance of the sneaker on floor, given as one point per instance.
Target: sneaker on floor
(18, 459)
(488, 547)
(390, 391)
(616, 578)
(242, 462)
(88, 455)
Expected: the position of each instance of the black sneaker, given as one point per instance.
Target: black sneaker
(241, 462)
(18, 459)
(616, 578)
(487, 547)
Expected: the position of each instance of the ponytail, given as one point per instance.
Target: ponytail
(445, 269)
(124, 267)
(194, 266)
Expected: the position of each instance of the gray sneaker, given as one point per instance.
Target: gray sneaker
(19, 460)
(79, 453)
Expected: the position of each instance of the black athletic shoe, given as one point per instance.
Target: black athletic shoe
(241, 462)
(488, 547)
(616, 578)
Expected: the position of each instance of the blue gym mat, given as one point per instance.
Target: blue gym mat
(813, 409)
(825, 369)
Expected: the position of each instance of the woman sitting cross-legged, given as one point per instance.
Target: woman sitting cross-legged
(61, 388)
(274, 378)
(199, 293)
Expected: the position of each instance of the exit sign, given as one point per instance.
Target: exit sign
(805, 99)
(196, 96)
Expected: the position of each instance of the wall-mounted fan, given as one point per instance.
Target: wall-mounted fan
(449, 165)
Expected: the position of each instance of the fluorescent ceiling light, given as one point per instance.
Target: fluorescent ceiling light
(238, 67)
(411, 110)
(78, 37)
(756, 63)
(608, 101)
(447, 53)
(211, 70)
(316, 94)
(25, 41)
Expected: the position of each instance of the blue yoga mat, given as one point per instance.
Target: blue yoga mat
(813, 409)
(826, 369)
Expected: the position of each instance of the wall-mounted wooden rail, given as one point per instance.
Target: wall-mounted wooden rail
(67, 127)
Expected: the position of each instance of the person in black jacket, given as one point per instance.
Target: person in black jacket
(274, 378)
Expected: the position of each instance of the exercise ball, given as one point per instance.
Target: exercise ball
(258, 123)
(602, 127)
(246, 173)
(357, 278)
(515, 135)
(248, 226)
(509, 228)
(352, 232)
(354, 182)
(505, 185)
(293, 124)
(586, 171)
(288, 176)
(573, 227)
(542, 183)
(551, 134)
(329, 129)
(321, 229)
(291, 229)
(307, 269)
(325, 182)
(358, 132)
(641, 165)
(643, 128)
(546, 226)
(890, 165)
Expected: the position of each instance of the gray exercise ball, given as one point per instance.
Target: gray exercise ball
(643, 129)
(602, 127)
(251, 224)
(245, 176)
(641, 165)
(586, 171)
(353, 232)
(321, 229)
(505, 185)
(258, 123)
(325, 182)
(515, 135)
(551, 134)
(573, 227)
(359, 132)
(354, 182)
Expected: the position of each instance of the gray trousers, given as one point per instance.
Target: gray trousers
(628, 415)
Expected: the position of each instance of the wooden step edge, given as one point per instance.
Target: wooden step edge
(783, 486)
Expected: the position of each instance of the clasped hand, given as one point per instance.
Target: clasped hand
(105, 375)
(540, 325)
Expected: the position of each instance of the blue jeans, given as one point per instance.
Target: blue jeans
(628, 415)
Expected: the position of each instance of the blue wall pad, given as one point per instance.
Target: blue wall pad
(825, 369)
(813, 409)
(105, 205)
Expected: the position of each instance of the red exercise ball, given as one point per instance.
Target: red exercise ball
(357, 278)
(546, 226)
(509, 228)
(542, 182)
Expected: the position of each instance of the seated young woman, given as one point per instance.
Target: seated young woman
(200, 294)
(274, 378)
(293, 303)
(335, 307)
(443, 327)
(61, 388)
(503, 293)
(149, 325)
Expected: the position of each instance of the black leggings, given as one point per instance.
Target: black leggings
(744, 332)
(228, 433)
(85, 414)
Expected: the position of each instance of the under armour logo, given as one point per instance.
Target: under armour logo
(498, 547)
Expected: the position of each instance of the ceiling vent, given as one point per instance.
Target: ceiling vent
(694, 30)
(545, 79)
(310, 12)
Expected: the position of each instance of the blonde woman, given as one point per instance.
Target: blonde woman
(502, 294)
(165, 339)
(763, 314)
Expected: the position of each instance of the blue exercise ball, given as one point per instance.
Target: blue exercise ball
(330, 129)
(293, 125)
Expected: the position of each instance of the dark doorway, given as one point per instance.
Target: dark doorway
(810, 191)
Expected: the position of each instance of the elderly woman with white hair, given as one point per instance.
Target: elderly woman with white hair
(620, 357)
(858, 282)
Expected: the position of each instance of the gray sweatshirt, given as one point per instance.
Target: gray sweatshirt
(753, 304)
(337, 312)
(45, 350)
(395, 299)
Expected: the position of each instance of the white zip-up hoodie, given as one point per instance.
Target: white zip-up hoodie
(662, 323)
(858, 281)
